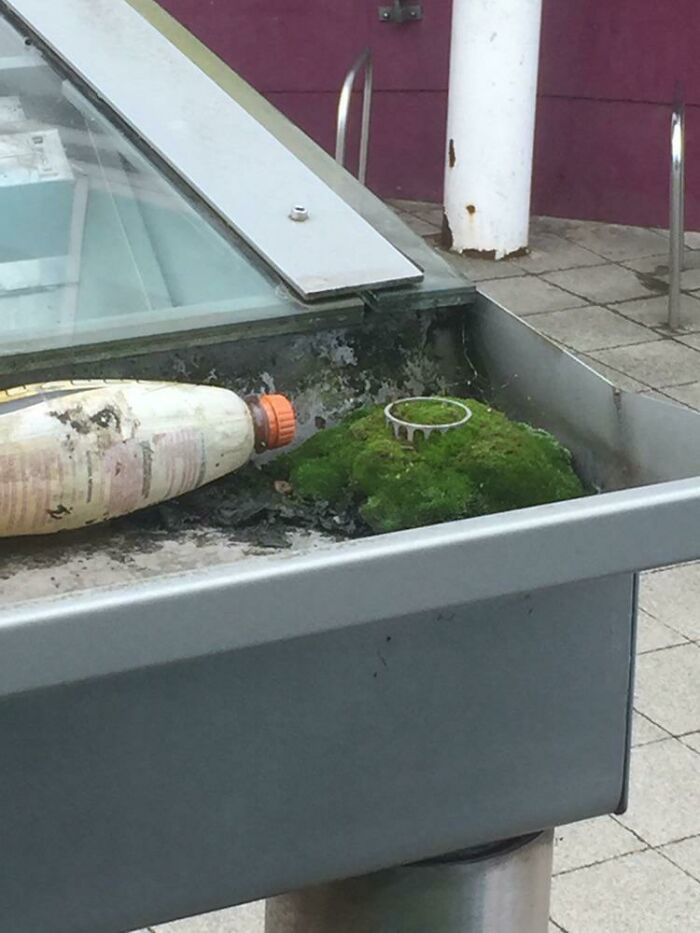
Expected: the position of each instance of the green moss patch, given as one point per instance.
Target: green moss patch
(490, 464)
(428, 411)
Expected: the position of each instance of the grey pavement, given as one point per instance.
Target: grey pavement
(600, 291)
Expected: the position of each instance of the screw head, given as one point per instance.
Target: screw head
(298, 213)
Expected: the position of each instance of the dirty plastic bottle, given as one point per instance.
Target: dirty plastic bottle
(77, 453)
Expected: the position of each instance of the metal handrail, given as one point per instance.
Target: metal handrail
(365, 59)
(677, 216)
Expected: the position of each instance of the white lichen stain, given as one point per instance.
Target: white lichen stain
(267, 381)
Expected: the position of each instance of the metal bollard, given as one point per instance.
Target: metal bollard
(496, 889)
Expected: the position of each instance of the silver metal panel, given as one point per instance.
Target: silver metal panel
(128, 801)
(47, 642)
(507, 892)
(619, 438)
(239, 168)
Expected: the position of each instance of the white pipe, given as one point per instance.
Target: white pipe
(491, 124)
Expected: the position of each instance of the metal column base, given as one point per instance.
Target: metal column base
(496, 889)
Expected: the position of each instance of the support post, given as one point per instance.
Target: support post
(495, 889)
(491, 125)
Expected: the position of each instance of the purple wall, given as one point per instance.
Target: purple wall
(608, 73)
(607, 79)
(297, 53)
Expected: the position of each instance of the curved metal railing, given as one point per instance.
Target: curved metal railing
(363, 61)
(677, 216)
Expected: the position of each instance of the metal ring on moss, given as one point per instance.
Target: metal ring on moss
(397, 424)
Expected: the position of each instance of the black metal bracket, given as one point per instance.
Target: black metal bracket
(400, 12)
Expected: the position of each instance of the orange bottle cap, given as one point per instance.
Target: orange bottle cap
(281, 420)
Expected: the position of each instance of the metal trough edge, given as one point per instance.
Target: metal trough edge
(46, 643)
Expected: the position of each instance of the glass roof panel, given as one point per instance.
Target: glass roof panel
(221, 152)
(96, 244)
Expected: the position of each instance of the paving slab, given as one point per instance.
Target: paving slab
(638, 893)
(420, 226)
(689, 340)
(690, 277)
(614, 241)
(481, 270)
(249, 918)
(530, 295)
(668, 688)
(657, 267)
(592, 841)
(672, 596)
(686, 855)
(692, 238)
(664, 793)
(432, 214)
(644, 731)
(603, 284)
(621, 380)
(549, 252)
(558, 225)
(410, 207)
(692, 741)
(590, 328)
(658, 364)
(688, 395)
(396, 207)
(652, 634)
(653, 311)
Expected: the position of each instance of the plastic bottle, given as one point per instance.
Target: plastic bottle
(77, 453)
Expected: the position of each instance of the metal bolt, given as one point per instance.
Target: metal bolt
(299, 213)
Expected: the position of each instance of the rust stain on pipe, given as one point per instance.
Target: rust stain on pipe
(491, 253)
(446, 236)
